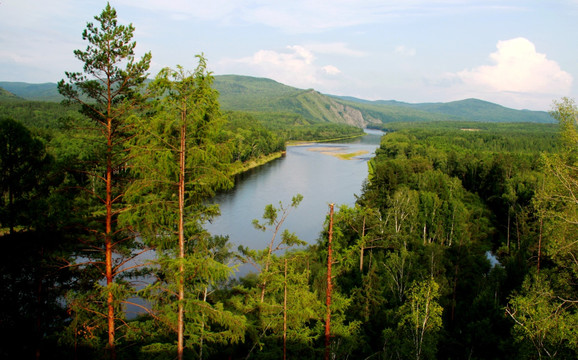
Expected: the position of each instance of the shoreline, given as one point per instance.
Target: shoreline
(239, 168)
(309, 142)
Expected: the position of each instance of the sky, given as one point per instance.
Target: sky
(519, 54)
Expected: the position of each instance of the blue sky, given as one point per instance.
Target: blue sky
(520, 54)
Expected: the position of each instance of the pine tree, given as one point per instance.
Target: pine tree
(108, 91)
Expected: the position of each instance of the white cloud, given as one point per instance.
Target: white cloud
(331, 70)
(295, 67)
(300, 53)
(519, 77)
(404, 51)
(518, 67)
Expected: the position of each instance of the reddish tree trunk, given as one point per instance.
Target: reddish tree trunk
(285, 315)
(328, 296)
(108, 240)
(181, 320)
(539, 246)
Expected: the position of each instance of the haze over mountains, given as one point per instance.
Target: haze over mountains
(253, 94)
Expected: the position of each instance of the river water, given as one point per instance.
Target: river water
(311, 170)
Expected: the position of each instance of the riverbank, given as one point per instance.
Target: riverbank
(305, 142)
(239, 168)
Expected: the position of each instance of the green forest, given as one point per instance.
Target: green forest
(462, 244)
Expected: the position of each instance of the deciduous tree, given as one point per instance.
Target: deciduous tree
(179, 165)
(273, 217)
(422, 318)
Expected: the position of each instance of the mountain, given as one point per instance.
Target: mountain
(468, 109)
(263, 95)
(259, 94)
(6, 95)
(37, 92)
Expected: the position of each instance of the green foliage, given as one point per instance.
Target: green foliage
(189, 111)
(460, 136)
(291, 126)
(51, 117)
(288, 296)
(33, 284)
(243, 93)
(544, 323)
(558, 194)
(274, 218)
(422, 318)
(23, 170)
(208, 326)
(179, 162)
(7, 96)
(267, 96)
(249, 139)
(443, 197)
(107, 91)
(544, 310)
(250, 94)
(110, 47)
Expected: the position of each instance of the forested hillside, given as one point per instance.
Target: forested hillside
(6, 95)
(39, 92)
(464, 110)
(245, 93)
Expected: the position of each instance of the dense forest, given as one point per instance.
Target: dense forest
(462, 244)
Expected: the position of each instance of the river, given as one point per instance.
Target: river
(312, 170)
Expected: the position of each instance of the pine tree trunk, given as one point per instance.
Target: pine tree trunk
(11, 210)
(264, 285)
(539, 246)
(362, 246)
(328, 294)
(39, 301)
(180, 320)
(285, 315)
(108, 241)
(202, 340)
(508, 232)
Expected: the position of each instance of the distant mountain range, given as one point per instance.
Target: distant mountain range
(253, 94)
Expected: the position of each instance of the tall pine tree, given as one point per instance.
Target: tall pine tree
(108, 91)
